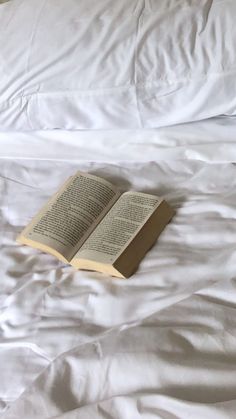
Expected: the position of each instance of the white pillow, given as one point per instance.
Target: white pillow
(90, 64)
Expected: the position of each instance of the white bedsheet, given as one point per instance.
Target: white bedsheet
(159, 345)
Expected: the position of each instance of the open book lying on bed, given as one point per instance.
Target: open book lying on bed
(90, 224)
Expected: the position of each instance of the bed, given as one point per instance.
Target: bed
(161, 344)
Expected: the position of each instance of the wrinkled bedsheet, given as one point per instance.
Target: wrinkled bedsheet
(161, 344)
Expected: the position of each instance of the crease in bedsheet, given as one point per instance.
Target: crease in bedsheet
(8, 179)
(206, 12)
(33, 33)
(29, 345)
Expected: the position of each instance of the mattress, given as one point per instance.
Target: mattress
(161, 344)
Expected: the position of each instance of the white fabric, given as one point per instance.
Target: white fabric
(88, 64)
(159, 345)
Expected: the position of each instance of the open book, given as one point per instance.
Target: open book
(90, 224)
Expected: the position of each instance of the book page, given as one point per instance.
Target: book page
(118, 227)
(70, 216)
